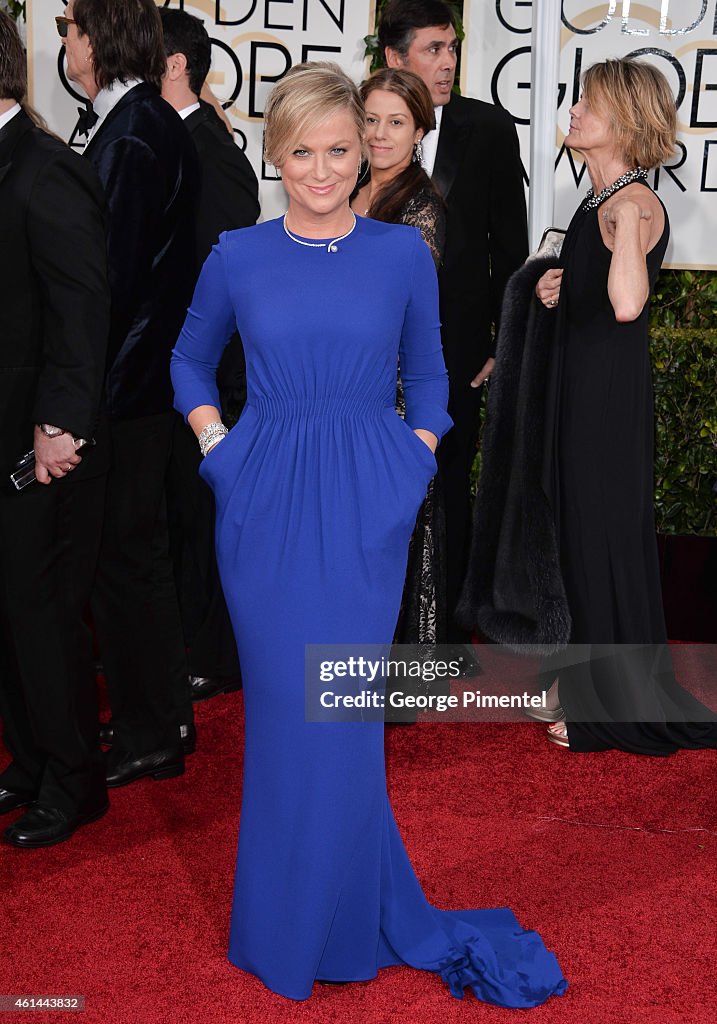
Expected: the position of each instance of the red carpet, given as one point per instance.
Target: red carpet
(611, 857)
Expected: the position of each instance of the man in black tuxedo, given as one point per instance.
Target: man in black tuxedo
(147, 165)
(473, 157)
(54, 321)
(228, 199)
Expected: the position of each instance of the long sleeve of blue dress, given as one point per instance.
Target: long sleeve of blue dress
(211, 320)
(423, 371)
(209, 325)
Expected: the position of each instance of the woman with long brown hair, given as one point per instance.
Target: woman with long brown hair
(399, 113)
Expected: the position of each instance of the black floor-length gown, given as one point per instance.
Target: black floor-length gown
(623, 693)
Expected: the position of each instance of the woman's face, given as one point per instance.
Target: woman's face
(590, 129)
(78, 54)
(320, 173)
(391, 132)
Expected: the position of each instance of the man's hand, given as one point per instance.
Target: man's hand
(485, 373)
(54, 456)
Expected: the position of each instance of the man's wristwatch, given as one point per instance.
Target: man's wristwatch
(50, 431)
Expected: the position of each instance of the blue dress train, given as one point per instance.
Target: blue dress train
(317, 489)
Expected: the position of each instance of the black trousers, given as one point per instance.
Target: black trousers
(208, 633)
(456, 454)
(49, 541)
(134, 601)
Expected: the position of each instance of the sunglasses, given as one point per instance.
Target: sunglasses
(62, 25)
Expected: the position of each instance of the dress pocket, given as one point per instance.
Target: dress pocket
(205, 470)
(421, 449)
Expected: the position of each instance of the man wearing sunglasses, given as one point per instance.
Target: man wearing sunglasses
(148, 167)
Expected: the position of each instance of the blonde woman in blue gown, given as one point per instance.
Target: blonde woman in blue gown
(317, 489)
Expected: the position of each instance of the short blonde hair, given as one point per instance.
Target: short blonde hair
(639, 102)
(307, 96)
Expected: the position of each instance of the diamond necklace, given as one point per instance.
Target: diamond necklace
(331, 246)
(592, 201)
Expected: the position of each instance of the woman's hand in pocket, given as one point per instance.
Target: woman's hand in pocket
(430, 440)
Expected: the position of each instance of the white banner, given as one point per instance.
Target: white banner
(678, 36)
(254, 42)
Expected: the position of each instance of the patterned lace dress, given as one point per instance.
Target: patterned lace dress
(423, 615)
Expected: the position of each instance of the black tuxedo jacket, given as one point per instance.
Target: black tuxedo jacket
(54, 298)
(148, 167)
(229, 193)
(228, 199)
(479, 174)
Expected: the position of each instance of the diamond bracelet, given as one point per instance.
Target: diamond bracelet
(210, 434)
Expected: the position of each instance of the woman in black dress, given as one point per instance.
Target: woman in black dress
(399, 112)
(622, 694)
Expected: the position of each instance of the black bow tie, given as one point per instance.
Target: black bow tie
(87, 120)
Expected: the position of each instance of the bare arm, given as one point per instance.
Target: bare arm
(202, 416)
(632, 228)
(208, 96)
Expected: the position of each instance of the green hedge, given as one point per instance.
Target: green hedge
(684, 363)
(684, 359)
(16, 8)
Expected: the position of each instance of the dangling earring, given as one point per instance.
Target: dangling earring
(418, 153)
(363, 169)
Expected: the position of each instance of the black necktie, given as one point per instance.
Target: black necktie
(87, 120)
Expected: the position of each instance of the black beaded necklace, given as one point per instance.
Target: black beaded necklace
(592, 201)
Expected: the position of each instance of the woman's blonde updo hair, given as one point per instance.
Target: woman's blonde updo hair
(307, 96)
(639, 102)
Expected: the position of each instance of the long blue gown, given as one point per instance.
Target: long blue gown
(317, 489)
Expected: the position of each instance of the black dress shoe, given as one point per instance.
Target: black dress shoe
(45, 826)
(160, 764)
(187, 733)
(188, 736)
(10, 801)
(204, 687)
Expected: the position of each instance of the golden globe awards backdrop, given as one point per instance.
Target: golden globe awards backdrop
(678, 36)
(254, 42)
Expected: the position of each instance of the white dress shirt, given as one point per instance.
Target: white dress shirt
(186, 111)
(9, 114)
(107, 99)
(429, 143)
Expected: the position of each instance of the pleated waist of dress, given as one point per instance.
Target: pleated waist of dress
(316, 407)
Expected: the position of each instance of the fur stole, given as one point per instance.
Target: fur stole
(514, 591)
